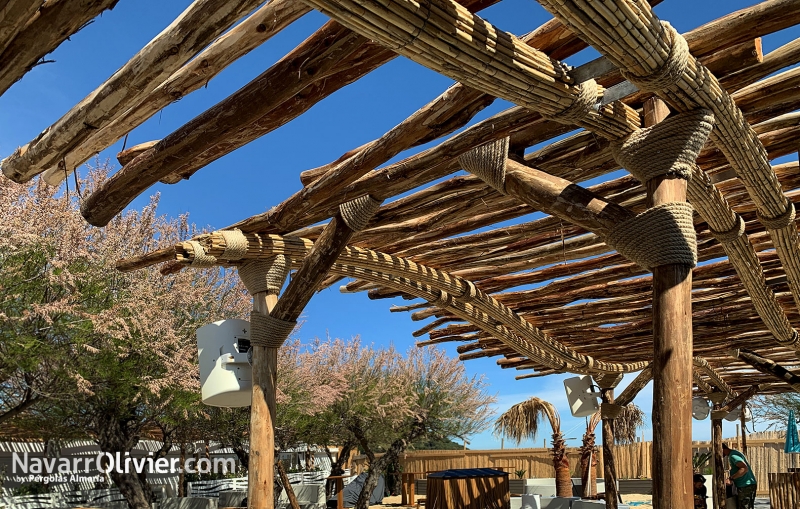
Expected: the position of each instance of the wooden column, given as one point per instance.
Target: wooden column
(743, 450)
(672, 356)
(609, 464)
(326, 250)
(718, 486)
(261, 469)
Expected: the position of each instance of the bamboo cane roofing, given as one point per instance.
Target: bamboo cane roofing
(559, 277)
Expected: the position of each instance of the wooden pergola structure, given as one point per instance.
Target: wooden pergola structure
(695, 118)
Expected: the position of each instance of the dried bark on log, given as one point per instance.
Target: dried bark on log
(13, 18)
(769, 367)
(260, 94)
(49, 27)
(128, 155)
(194, 29)
(250, 33)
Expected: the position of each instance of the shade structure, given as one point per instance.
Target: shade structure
(792, 442)
(473, 488)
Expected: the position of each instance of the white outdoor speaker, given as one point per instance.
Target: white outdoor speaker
(701, 408)
(226, 378)
(582, 398)
(736, 413)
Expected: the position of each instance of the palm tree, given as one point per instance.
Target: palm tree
(630, 419)
(589, 454)
(625, 426)
(522, 421)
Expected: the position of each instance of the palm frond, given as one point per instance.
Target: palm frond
(626, 425)
(522, 420)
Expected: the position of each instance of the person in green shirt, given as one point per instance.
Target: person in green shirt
(742, 476)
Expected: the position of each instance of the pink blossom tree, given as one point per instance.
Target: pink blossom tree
(109, 352)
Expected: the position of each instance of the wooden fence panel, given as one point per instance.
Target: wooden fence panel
(765, 453)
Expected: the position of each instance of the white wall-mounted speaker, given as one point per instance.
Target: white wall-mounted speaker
(226, 378)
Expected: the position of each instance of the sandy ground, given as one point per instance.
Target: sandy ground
(395, 501)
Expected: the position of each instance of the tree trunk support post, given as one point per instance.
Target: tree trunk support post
(607, 384)
(718, 487)
(261, 469)
(672, 355)
(742, 419)
(276, 318)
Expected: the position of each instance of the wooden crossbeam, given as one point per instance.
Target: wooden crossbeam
(194, 29)
(54, 23)
(768, 367)
(13, 17)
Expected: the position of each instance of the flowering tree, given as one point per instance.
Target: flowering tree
(119, 348)
(392, 400)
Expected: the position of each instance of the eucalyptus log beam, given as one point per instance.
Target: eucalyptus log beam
(193, 30)
(785, 56)
(304, 282)
(768, 367)
(672, 355)
(13, 17)
(240, 40)
(741, 399)
(127, 155)
(247, 105)
(54, 23)
(562, 198)
(635, 387)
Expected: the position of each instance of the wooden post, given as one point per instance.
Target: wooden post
(609, 464)
(261, 469)
(672, 356)
(718, 486)
(744, 430)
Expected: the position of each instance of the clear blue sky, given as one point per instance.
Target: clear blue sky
(265, 172)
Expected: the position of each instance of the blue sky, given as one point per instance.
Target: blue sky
(265, 172)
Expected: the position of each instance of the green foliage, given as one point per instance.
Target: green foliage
(699, 461)
(436, 444)
(30, 488)
(520, 473)
(774, 409)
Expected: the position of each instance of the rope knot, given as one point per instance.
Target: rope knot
(667, 148)
(662, 235)
(265, 276)
(267, 331)
(357, 212)
(671, 71)
(731, 235)
(778, 222)
(235, 244)
(488, 162)
(200, 258)
(586, 101)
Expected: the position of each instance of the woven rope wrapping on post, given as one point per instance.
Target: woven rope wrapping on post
(488, 162)
(357, 213)
(265, 276)
(673, 69)
(585, 102)
(776, 223)
(662, 235)
(201, 259)
(269, 332)
(732, 234)
(235, 244)
(667, 148)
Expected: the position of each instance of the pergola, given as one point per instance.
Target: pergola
(686, 271)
